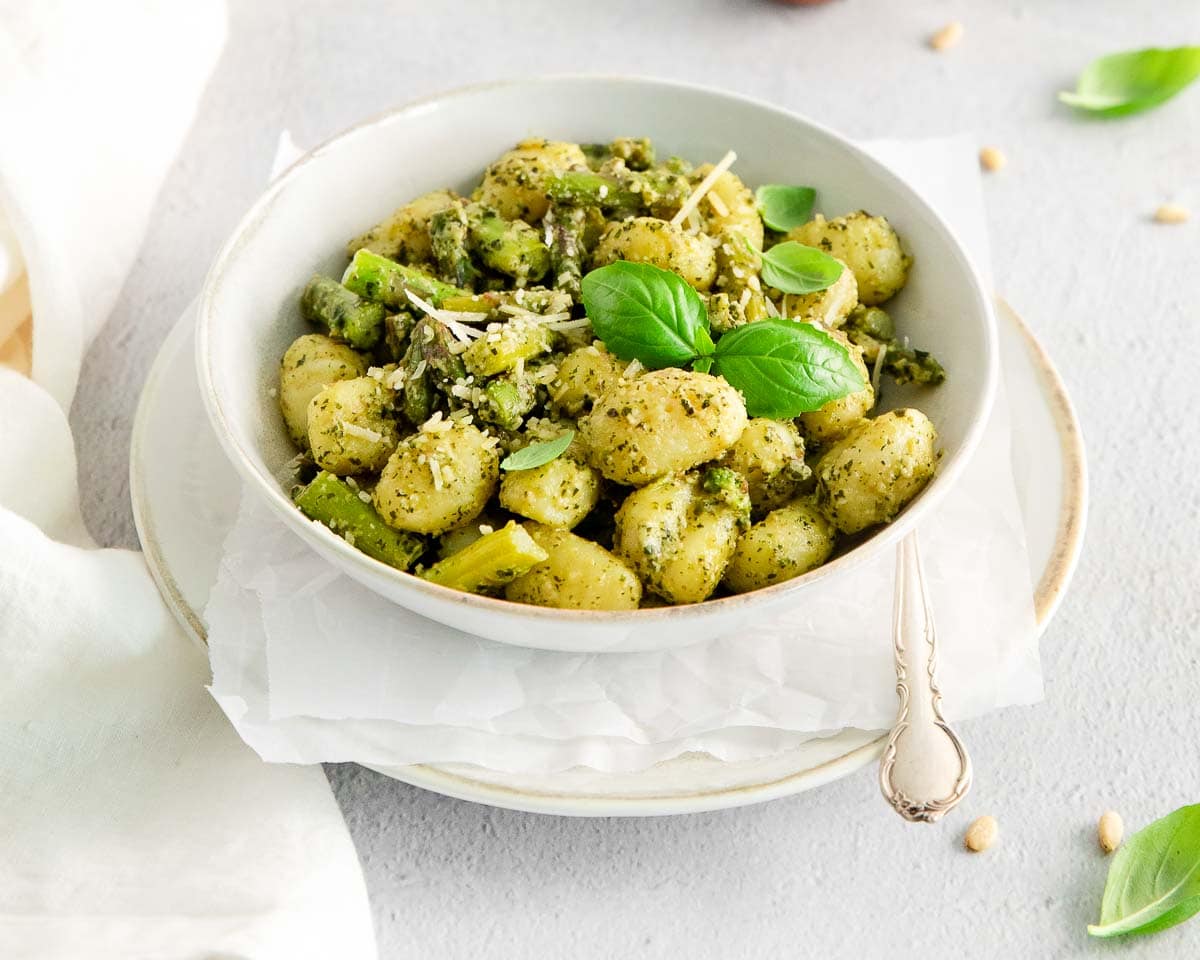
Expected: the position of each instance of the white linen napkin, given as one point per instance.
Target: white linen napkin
(311, 666)
(133, 821)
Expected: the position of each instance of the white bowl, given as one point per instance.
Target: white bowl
(248, 309)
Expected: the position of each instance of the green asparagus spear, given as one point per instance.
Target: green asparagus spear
(331, 501)
(416, 399)
(566, 225)
(448, 234)
(444, 365)
(581, 188)
(491, 561)
(396, 330)
(512, 247)
(506, 401)
(503, 349)
(345, 314)
(384, 281)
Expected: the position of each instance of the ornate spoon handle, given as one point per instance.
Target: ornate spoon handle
(925, 769)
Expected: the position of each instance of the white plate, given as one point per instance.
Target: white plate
(185, 497)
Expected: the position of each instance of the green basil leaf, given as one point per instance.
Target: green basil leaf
(783, 207)
(794, 268)
(645, 313)
(1154, 879)
(784, 368)
(1136, 80)
(538, 453)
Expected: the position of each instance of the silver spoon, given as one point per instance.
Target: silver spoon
(925, 770)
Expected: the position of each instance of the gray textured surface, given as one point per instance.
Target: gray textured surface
(1113, 296)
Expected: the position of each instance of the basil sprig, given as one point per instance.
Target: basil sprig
(537, 454)
(793, 367)
(782, 368)
(1133, 81)
(650, 314)
(1154, 880)
(783, 207)
(794, 268)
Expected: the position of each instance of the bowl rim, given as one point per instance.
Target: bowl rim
(947, 474)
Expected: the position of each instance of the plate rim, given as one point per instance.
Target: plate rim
(442, 779)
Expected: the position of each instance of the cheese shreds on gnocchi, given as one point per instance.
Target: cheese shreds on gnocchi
(458, 416)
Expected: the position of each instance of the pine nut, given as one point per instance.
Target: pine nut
(991, 159)
(981, 834)
(1111, 830)
(947, 37)
(1172, 213)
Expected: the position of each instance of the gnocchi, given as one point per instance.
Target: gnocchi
(663, 422)
(867, 477)
(470, 406)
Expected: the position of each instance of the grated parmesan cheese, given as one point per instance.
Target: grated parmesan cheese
(877, 370)
(560, 326)
(486, 528)
(635, 367)
(363, 433)
(772, 310)
(364, 496)
(703, 187)
(460, 331)
(717, 204)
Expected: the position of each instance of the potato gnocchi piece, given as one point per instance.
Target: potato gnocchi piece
(404, 236)
(515, 185)
(869, 476)
(730, 206)
(829, 307)
(559, 493)
(309, 365)
(838, 417)
(583, 376)
(438, 478)
(578, 575)
(680, 532)
(661, 244)
(788, 542)
(770, 455)
(666, 421)
(868, 245)
(348, 430)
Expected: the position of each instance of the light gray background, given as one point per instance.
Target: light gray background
(1113, 296)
